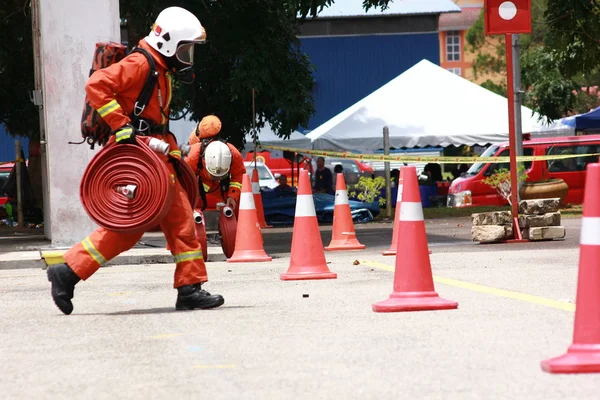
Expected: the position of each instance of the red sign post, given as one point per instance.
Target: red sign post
(508, 18)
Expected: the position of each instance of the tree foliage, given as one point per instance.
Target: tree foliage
(17, 112)
(252, 44)
(559, 60)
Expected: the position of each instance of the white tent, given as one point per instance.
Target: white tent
(267, 137)
(426, 106)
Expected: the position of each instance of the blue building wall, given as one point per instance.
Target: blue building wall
(349, 68)
(7, 145)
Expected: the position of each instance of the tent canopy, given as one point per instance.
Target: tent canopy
(266, 136)
(426, 106)
(588, 121)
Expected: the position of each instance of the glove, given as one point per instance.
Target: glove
(231, 203)
(125, 135)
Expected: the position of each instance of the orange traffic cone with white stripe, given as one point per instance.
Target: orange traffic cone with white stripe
(248, 240)
(392, 250)
(583, 356)
(307, 259)
(413, 280)
(260, 212)
(343, 235)
(393, 247)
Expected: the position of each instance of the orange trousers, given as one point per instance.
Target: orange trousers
(103, 245)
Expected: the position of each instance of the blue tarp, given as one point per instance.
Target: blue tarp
(584, 122)
(588, 121)
(280, 208)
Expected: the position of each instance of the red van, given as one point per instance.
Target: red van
(469, 189)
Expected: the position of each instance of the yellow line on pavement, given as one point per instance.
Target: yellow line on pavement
(222, 366)
(528, 298)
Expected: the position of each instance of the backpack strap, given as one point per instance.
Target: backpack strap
(202, 193)
(144, 96)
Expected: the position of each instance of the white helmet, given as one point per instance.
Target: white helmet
(217, 159)
(175, 32)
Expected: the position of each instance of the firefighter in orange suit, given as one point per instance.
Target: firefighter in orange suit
(220, 167)
(112, 91)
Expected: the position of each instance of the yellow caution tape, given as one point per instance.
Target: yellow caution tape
(12, 162)
(420, 159)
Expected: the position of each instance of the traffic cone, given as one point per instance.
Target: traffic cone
(307, 259)
(260, 212)
(413, 281)
(583, 355)
(392, 250)
(248, 241)
(343, 235)
(393, 246)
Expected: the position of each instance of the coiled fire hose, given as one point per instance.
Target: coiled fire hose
(128, 188)
(189, 182)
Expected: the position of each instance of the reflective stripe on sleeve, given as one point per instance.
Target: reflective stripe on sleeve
(108, 108)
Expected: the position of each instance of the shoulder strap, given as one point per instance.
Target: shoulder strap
(202, 193)
(146, 93)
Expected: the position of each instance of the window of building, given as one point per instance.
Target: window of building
(453, 46)
(456, 71)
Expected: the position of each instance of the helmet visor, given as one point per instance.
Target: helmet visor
(185, 53)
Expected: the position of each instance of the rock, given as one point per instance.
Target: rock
(533, 221)
(491, 233)
(539, 206)
(545, 233)
(492, 218)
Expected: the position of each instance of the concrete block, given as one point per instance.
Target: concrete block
(533, 221)
(539, 206)
(545, 233)
(492, 218)
(491, 233)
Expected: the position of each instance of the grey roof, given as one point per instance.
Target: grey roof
(354, 8)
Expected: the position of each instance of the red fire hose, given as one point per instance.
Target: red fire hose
(127, 188)
(189, 182)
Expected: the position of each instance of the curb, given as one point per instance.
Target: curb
(42, 258)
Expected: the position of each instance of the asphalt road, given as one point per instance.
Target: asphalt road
(125, 341)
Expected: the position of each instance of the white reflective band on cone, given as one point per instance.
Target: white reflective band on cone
(341, 197)
(255, 187)
(399, 195)
(411, 212)
(590, 231)
(305, 206)
(247, 201)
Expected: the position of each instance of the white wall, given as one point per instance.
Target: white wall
(69, 32)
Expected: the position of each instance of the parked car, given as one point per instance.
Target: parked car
(4, 173)
(469, 189)
(265, 176)
(353, 169)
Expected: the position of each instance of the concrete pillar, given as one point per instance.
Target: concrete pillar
(69, 31)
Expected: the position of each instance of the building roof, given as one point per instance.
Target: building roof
(354, 8)
(459, 21)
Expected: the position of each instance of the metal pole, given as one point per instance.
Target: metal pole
(518, 101)
(19, 165)
(511, 137)
(388, 185)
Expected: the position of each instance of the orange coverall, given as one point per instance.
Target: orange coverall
(112, 91)
(213, 187)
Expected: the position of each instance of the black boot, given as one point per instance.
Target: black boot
(63, 281)
(190, 297)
